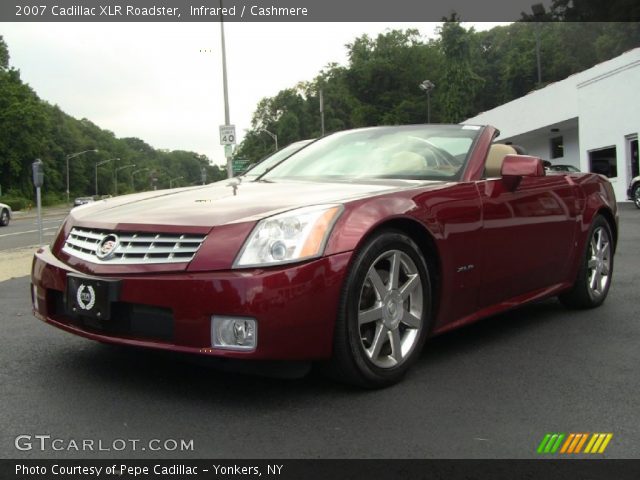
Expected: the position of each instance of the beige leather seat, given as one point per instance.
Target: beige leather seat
(496, 155)
(405, 163)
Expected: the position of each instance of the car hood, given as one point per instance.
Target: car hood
(226, 202)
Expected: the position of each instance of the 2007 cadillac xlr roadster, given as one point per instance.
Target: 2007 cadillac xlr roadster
(349, 253)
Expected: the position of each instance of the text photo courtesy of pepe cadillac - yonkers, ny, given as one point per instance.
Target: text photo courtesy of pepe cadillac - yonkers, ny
(319, 239)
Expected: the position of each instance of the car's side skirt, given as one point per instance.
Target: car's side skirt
(504, 306)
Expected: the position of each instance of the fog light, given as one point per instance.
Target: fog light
(234, 333)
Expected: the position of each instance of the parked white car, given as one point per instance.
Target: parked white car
(633, 192)
(5, 214)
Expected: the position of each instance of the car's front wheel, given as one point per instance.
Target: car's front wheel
(4, 217)
(594, 277)
(384, 312)
(636, 196)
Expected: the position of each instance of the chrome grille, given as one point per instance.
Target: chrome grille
(134, 248)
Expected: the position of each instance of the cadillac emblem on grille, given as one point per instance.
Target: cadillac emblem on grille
(107, 246)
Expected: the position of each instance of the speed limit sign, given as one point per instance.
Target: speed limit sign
(227, 134)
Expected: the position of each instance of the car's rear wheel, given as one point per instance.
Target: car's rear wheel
(4, 217)
(594, 277)
(384, 312)
(636, 196)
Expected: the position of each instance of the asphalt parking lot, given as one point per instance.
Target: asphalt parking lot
(491, 390)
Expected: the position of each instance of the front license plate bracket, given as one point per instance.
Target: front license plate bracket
(91, 297)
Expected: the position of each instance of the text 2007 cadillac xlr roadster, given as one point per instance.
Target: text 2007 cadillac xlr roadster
(349, 253)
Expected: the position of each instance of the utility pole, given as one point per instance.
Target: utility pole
(426, 87)
(69, 157)
(38, 180)
(321, 114)
(273, 136)
(227, 148)
(115, 182)
(96, 172)
(538, 13)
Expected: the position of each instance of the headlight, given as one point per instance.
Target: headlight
(289, 237)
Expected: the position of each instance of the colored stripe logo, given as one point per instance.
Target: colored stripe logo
(574, 443)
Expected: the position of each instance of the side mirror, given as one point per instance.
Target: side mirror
(514, 167)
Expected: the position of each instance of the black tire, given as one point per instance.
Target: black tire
(587, 292)
(636, 195)
(4, 218)
(372, 354)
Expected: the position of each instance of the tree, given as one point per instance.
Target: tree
(31, 128)
(472, 71)
(4, 54)
(460, 83)
(595, 10)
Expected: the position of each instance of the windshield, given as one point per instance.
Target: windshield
(275, 158)
(420, 152)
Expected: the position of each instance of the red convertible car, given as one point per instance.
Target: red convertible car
(349, 254)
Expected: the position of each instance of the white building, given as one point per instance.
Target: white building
(589, 120)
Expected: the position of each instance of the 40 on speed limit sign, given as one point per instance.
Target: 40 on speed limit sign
(227, 134)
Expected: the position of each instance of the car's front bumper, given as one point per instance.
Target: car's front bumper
(295, 307)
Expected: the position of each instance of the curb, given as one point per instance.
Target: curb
(19, 215)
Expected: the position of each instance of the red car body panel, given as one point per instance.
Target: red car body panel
(493, 249)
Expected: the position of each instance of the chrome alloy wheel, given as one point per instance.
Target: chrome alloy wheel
(599, 263)
(636, 196)
(4, 219)
(390, 309)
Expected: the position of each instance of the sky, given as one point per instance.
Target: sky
(162, 82)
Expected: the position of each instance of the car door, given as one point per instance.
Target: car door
(527, 236)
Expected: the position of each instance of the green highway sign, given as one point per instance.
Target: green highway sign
(239, 165)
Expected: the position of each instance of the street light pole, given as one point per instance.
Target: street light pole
(133, 174)
(69, 157)
(321, 114)
(538, 13)
(116, 175)
(227, 121)
(272, 135)
(538, 53)
(427, 86)
(96, 171)
(173, 180)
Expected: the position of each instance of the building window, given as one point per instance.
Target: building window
(604, 162)
(557, 147)
(632, 146)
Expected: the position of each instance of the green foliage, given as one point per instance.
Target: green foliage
(31, 128)
(595, 10)
(472, 72)
(459, 81)
(4, 54)
(16, 202)
(51, 198)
